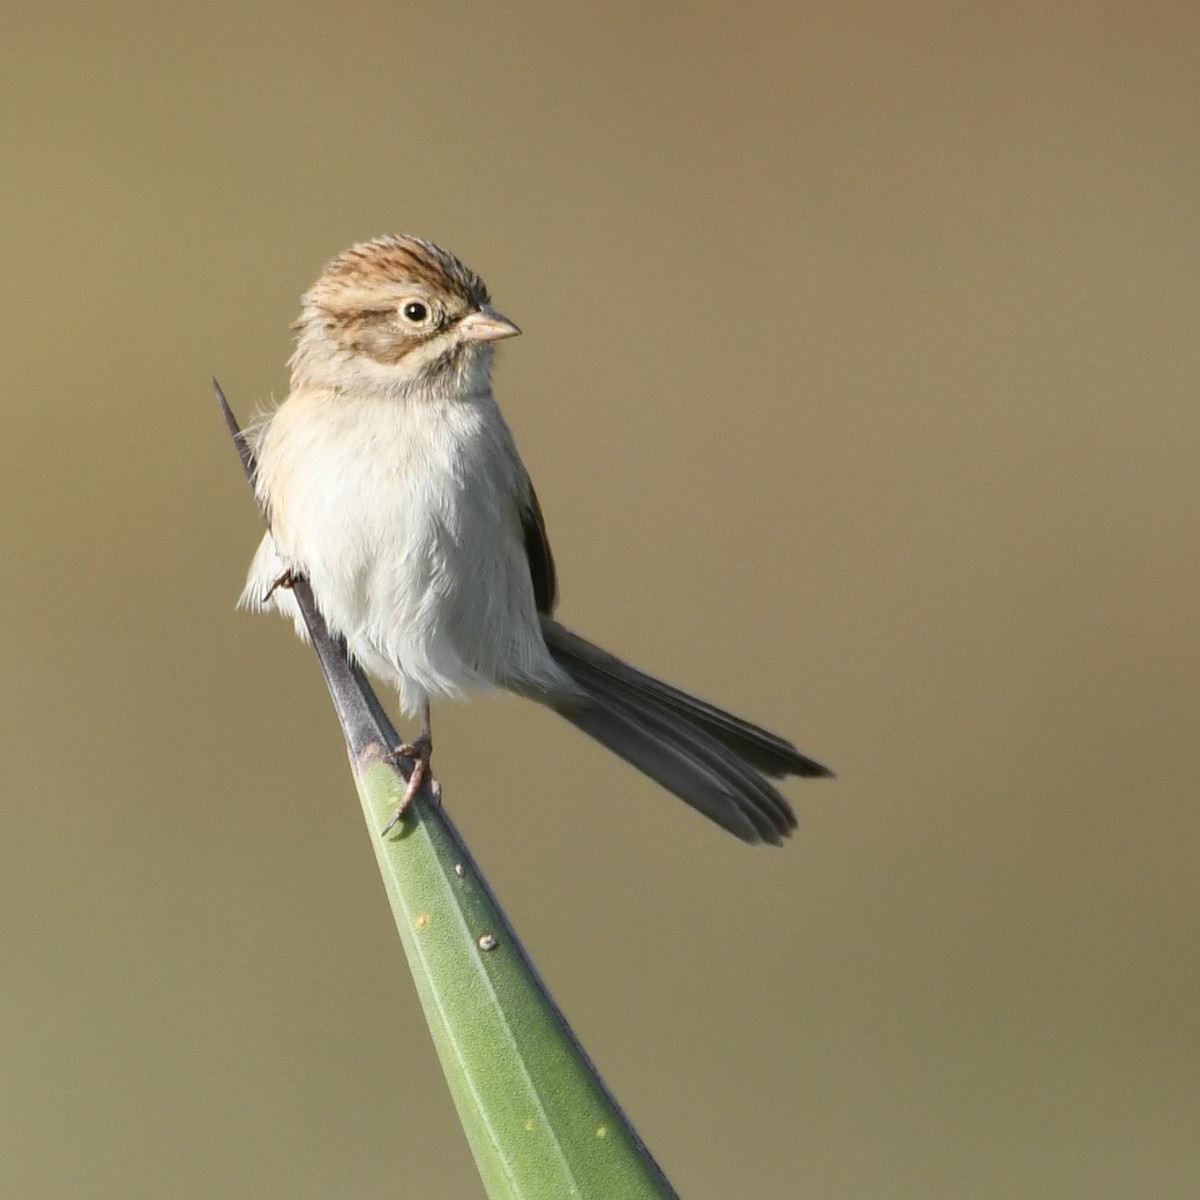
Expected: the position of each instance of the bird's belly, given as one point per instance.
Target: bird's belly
(427, 581)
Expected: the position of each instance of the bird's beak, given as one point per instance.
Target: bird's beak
(486, 325)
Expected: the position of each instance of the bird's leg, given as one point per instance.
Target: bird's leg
(420, 751)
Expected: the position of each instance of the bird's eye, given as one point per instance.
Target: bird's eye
(415, 311)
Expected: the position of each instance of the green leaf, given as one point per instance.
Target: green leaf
(539, 1119)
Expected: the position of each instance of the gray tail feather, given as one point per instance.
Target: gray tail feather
(707, 757)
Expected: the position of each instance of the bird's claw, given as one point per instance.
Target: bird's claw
(419, 752)
(283, 581)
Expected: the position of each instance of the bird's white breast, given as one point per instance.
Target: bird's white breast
(405, 517)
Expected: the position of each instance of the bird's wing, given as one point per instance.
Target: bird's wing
(537, 551)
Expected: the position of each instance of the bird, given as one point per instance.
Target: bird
(391, 481)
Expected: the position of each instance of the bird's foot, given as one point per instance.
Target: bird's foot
(420, 753)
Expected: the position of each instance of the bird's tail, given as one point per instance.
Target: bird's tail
(714, 761)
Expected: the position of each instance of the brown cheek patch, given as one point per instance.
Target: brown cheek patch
(369, 332)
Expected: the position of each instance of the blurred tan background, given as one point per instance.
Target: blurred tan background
(860, 387)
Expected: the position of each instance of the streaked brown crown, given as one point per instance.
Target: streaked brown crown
(390, 264)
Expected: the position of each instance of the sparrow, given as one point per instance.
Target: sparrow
(392, 483)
